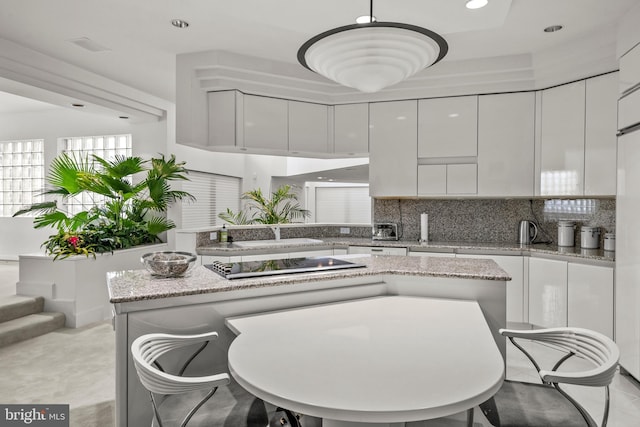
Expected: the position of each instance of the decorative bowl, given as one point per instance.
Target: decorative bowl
(169, 263)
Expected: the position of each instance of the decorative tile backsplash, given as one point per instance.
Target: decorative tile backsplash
(493, 220)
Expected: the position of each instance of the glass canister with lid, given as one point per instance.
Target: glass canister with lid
(566, 236)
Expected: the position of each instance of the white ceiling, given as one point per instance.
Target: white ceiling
(10, 103)
(142, 44)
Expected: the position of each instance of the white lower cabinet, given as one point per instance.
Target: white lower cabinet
(547, 292)
(570, 294)
(516, 296)
(590, 298)
(375, 250)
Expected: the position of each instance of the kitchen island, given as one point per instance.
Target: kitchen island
(203, 300)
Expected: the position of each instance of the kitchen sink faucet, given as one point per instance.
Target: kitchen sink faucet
(276, 231)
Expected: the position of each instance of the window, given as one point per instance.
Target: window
(22, 174)
(106, 147)
(343, 205)
(214, 194)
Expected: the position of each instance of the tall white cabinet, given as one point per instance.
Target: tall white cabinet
(628, 253)
(628, 200)
(393, 144)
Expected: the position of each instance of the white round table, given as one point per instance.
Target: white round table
(376, 361)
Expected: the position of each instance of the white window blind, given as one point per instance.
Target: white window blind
(214, 194)
(343, 205)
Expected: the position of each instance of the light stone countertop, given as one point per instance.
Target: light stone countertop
(138, 285)
(482, 248)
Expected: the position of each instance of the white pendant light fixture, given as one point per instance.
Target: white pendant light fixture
(374, 55)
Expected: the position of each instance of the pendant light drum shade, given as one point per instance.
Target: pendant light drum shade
(370, 57)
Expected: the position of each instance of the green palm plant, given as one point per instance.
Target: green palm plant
(281, 208)
(127, 217)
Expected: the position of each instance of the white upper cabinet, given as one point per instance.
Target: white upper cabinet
(432, 180)
(448, 127)
(600, 136)
(462, 179)
(393, 143)
(265, 123)
(562, 140)
(506, 144)
(308, 128)
(351, 129)
(578, 138)
(629, 70)
(224, 108)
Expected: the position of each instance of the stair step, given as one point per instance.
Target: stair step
(15, 306)
(29, 326)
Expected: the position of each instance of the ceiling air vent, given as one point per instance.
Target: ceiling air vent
(87, 43)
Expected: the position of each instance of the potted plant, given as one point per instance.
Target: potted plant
(131, 196)
(127, 218)
(281, 208)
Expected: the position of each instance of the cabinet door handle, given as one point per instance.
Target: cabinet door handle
(376, 249)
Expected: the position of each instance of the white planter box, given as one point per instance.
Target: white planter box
(77, 286)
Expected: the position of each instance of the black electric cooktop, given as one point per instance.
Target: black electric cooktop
(238, 270)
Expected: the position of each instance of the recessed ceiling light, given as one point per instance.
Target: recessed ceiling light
(553, 28)
(476, 4)
(365, 19)
(179, 23)
(78, 105)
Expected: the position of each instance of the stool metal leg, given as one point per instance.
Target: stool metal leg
(195, 408)
(470, 417)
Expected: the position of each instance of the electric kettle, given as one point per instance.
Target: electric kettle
(527, 232)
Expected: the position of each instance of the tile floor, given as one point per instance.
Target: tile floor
(76, 366)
